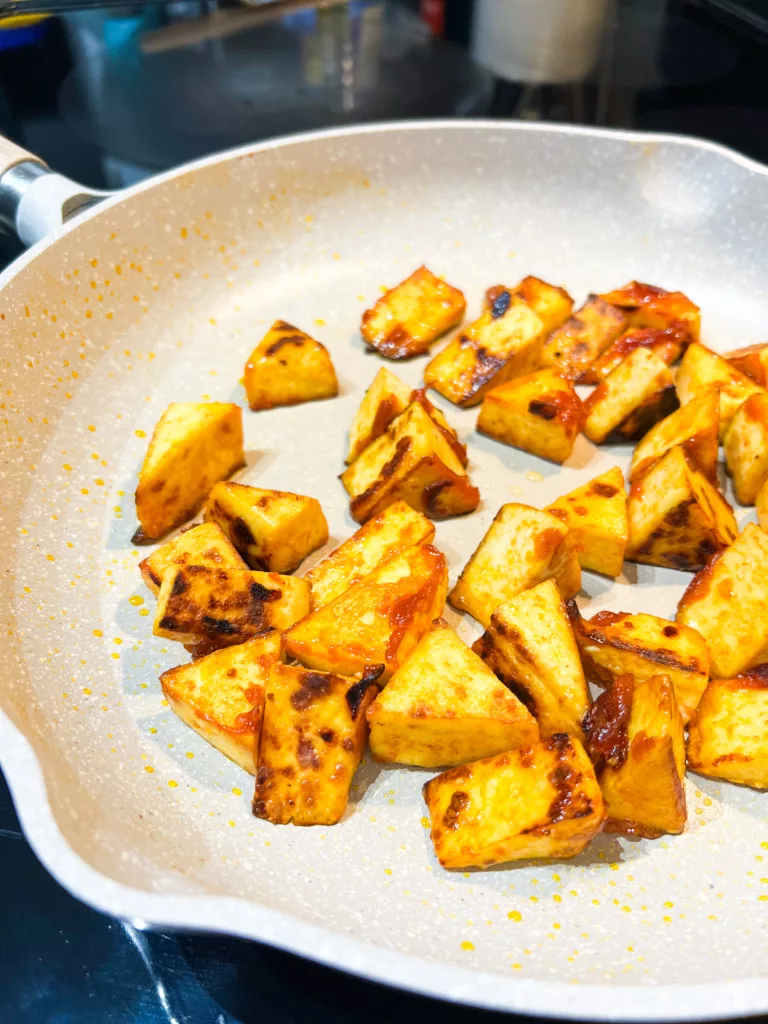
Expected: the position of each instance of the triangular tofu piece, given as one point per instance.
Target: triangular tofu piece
(288, 367)
(597, 516)
(752, 360)
(630, 400)
(409, 317)
(377, 621)
(636, 742)
(677, 519)
(194, 445)
(385, 399)
(523, 546)
(273, 530)
(205, 544)
(694, 427)
(221, 696)
(416, 461)
(540, 413)
(531, 648)
(396, 528)
(701, 370)
(746, 449)
(443, 707)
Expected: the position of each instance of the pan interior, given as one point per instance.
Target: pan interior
(162, 298)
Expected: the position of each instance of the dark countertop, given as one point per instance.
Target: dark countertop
(691, 66)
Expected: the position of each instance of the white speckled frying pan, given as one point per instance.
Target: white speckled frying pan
(159, 294)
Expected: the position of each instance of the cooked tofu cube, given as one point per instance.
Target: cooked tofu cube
(385, 399)
(596, 515)
(540, 413)
(667, 348)
(221, 696)
(677, 518)
(614, 644)
(694, 428)
(752, 360)
(645, 305)
(761, 506)
(272, 530)
(288, 367)
(387, 534)
(640, 382)
(523, 546)
(531, 648)
(412, 461)
(746, 448)
(535, 802)
(222, 607)
(492, 350)
(443, 706)
(378, 621)
(312, 739)
(728, 734)
(194, 445)
(635, 739)
(408, 318)
(727, 603)
(205, 544)
(551, 303)
(572, 347)
(702, 371)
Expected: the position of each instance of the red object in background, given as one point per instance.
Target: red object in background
(433, 13)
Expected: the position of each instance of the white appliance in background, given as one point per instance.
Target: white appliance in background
(539, 41)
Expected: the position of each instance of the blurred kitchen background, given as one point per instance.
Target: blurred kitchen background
(109, 94)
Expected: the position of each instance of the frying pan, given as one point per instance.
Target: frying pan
(159, 294)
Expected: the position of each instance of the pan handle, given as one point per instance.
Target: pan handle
(34, 201)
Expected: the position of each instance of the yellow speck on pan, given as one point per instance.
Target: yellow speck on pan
(425, 822)
(172, 783)
(666, 919)
(515, 915)
(136, 600)
(190, 755)
(517, 967)
(140, 433)
(50, 558)
(557, 898)
(320, 322)
(668, 904)
(236, 791)
(387, 871)
(86, 691)
(467, 945)
(148, 768)
(231, 824)
(533, 476)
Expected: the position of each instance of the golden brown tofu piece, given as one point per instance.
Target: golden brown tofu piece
(384, 400)
(221, 696)
(573, 346)
(414, 462)
(288, 367)
(379, 620)
(694, 428)
(677, 518)
(408, 318)
(488, 353)
(222, 607)
(194, 445)
(312, 740)
(387, 534)
(531, 648)
(597, 517)
(272, 530)
(702, 371)
(614, 644)
(205, 544)
(761, 506)
(746, 448)
(523, 546)
(752, 360)
(667, 348)
(540, 413)
(728, 734)
(536, 802)
(645, 305)
(629, 399)
(635, 739)
(443, 706)
(551, 303)
(727, 603)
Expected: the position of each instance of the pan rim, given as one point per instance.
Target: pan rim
(250, 920)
